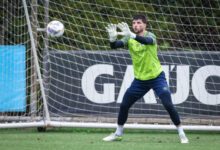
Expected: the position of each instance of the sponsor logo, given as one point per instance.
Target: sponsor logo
(165, 88)
(185, 82)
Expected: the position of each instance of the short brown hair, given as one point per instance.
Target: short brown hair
(140, 16)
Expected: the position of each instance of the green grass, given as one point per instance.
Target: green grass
(91, 139)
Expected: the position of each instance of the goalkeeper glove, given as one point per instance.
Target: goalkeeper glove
(111, 29)
(125, 30)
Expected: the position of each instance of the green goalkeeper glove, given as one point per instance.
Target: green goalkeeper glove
(111, 29)
(125, 30)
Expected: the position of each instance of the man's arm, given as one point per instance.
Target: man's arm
(144, 40)
(116, 44)
(141, 39)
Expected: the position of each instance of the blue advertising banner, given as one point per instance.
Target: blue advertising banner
(12, 78)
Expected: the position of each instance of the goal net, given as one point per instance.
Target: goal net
(78, 80)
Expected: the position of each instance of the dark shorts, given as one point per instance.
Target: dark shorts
(139, 88)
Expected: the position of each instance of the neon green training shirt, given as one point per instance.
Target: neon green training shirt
(144, 57)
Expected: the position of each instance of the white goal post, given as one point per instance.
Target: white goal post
(77, 80)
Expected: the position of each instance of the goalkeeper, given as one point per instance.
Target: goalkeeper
(147, 71)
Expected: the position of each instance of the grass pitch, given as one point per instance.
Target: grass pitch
(91, 139)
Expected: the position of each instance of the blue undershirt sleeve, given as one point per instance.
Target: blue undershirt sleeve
(116, 44)
(144, 40)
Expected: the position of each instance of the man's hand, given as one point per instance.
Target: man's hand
(111, 29)
(125, 30)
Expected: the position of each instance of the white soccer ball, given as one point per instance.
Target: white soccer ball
(55, 29)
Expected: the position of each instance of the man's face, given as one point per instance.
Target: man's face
(138, 26)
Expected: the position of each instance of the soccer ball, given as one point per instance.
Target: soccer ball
(55, 29)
